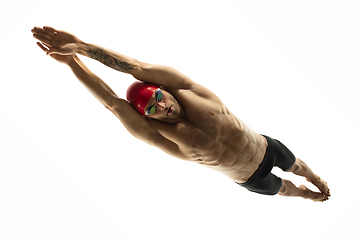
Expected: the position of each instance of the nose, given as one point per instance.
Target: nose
(162, 105)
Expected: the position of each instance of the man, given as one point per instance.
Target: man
(168, 110)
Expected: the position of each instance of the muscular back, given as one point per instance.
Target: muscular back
(211, 135)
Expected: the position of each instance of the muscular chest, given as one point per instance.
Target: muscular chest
(208, 127)
(192, 137)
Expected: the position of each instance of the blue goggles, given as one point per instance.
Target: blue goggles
(158, 97)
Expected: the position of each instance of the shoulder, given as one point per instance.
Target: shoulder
(194, 90)
(161, 75)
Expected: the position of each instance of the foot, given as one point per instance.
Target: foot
(315, 196)
(321, 185)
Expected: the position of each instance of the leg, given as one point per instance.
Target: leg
(289, 189)
(301, 168)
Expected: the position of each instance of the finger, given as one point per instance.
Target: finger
(46, 44)
(48, 51)
(39, 31)
(36, 29)
(53, 30)
(42, 39)
(53, 51)
(43, 32)
(42, 47)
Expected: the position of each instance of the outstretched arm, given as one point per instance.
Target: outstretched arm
(137, 125)
(108, 57)
(96, 86)
(93, 83)
(157, 74)
(60, 42)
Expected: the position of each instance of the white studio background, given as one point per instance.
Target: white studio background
(92, 168)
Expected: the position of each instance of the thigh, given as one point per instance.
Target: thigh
(284, 158)
(270, 185)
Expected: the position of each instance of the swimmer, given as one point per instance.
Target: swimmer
(168, 110)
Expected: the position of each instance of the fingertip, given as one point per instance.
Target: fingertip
(49, 28)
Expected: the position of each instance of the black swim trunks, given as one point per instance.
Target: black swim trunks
(263, 181)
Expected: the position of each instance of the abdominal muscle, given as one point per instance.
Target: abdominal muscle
(235, 150)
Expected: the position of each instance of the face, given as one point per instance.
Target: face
(162, 106)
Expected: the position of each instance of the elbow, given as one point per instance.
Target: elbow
(114, 103)
(152, 138)
(140, 70)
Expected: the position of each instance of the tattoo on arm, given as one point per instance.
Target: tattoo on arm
(102, 56)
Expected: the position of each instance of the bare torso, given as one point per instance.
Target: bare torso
(212, 136)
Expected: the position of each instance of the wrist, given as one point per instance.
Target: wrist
(82, 48)
(72, 61)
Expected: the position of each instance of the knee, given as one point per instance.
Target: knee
(283, 189)
(287, 188)
(299, 164)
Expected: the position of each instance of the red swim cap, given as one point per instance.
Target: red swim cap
(139, 94)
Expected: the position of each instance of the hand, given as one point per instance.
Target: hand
(66, 59)
(68, 49)
(53, 38)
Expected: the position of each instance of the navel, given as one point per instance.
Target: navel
(193, 146)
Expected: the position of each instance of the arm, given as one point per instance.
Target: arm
(97, 87)
(156, 74)
(63, 43)
(140, 128)
(137, 125)
(107, 57)
(93, 83)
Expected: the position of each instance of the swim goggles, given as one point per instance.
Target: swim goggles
(158, 97)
